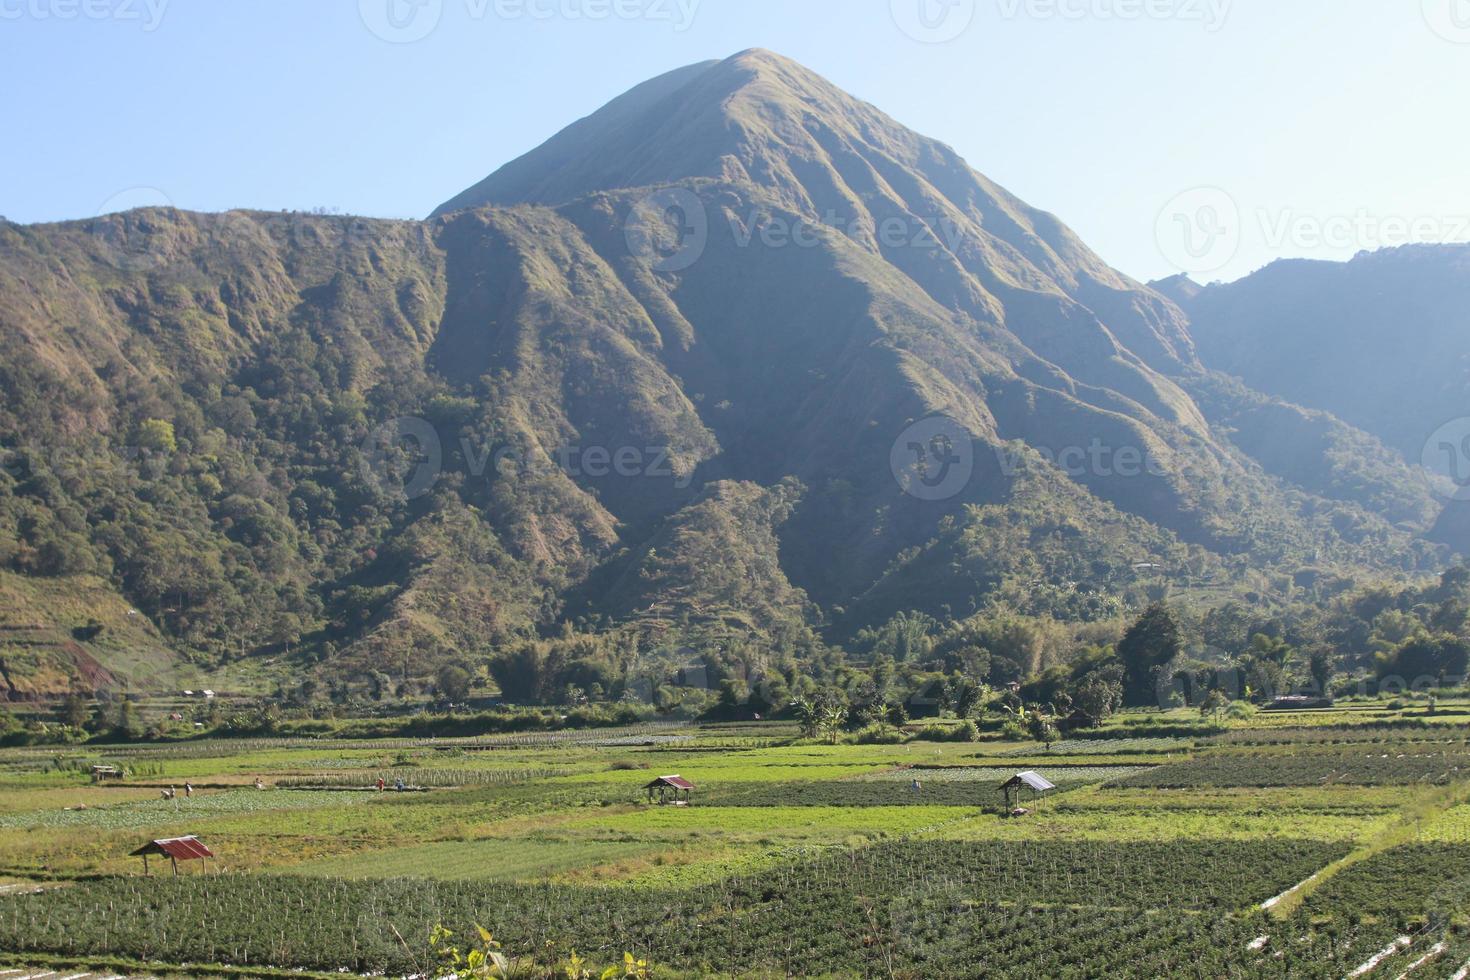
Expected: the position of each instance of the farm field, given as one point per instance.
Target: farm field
(1325, 850)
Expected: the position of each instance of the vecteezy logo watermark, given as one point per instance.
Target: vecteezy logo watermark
(1450, 19)
(671, 229)
(406, 21)
(941, 919)
(1199, 231)
(1448, 907)
(1096, 459)
(401, 21)
(933, 459)
(129, 242)
(407, 455)
(933, 21)
(668, 229)
(1447, 451)
(383, 457)
(1211, 13)
(148, 14)
(782, 231)
(1186, 681)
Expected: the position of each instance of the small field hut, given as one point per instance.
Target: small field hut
(669, 788)
(103, 774)
(1035, 782)
(176, 849)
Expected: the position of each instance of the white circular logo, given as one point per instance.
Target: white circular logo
(933, 459)
(383, 471)
(401, 21)
(130, 242)
(1199, 231)
(668, 229)
(1189, 677)
(1447, 452)
(1450, 19)
(933, 21)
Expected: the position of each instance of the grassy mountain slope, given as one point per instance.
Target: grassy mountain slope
(76, 631)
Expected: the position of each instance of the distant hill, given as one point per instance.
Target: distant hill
(677, 367)
(1380, 341)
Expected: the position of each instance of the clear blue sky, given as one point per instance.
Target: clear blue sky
(1314, 116)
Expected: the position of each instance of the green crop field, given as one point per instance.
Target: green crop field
(1266, 851)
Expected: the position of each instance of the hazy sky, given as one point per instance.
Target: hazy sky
(1213, 135)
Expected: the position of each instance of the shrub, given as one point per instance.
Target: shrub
(879, 734)
(966, 731)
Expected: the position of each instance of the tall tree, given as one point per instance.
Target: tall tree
(1149, 644)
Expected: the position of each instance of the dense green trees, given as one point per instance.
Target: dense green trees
(1150, 643)
(1098, 696)
(1426, 661)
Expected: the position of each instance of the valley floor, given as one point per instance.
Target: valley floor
(1323, 845)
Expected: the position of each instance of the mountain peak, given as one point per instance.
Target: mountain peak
(1180, 288)
(687, 123)
(780, 136)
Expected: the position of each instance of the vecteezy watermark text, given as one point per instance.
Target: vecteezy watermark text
(935, 459)
(1212, 14)
(1362, 229)
(671, 229)
(147, 14)
(408, 455)
(940, 21)
(407, 21)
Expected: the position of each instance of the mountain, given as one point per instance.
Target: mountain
(1378, 341)
(737, 360)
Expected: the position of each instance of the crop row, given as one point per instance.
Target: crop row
(1378, 766)
(1111, 746)
(626, 734)
(159, 812)
(850, 792)
(977, 786)
(1381, 733)
(417, 778)
(927, 908)
(1059, 776)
